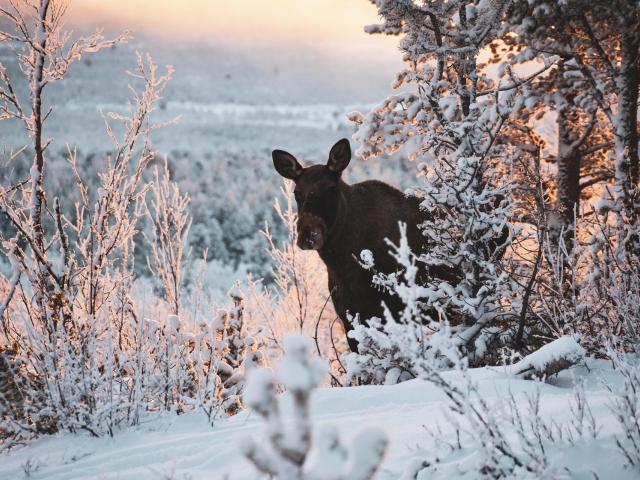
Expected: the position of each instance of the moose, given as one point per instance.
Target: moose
(340, 220)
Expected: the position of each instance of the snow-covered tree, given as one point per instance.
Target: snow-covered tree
(595, 45)
(449, 114)
(239, 353)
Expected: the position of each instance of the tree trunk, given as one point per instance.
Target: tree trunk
(567, 180)
(568, 163)
(37, 173)
(626, 130)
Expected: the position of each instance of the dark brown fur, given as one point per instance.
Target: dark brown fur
(340, 220)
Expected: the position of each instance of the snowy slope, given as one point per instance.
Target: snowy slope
(186, 447)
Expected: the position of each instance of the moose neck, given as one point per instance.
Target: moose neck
(329, 252)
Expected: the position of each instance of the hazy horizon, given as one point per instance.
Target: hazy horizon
(244, 77)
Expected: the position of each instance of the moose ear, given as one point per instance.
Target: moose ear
(339, 156)
(286, 164)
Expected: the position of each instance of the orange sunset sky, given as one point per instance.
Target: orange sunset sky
(333, 21)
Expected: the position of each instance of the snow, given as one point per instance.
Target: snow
(258, 390)
(367, 260)
(296, 372)
(368, 445)
(186, 447)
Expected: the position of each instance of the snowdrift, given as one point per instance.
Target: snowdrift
(186, 447)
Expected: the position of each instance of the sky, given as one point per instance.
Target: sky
(321, 22)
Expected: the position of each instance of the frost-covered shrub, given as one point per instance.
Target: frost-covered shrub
(391, 350)
(508, 439)
(589, 288)
(239, 354)
(613, 277)
(107, 375)
(170, 224)
(292, 450)
(398, 348)
(79, 353)
(76, 334)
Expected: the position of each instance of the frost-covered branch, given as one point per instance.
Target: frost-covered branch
(292, 451)
(506, 438)
(170, 221)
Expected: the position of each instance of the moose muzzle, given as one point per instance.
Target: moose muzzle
(311, 232)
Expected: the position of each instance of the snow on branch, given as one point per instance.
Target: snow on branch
(171, 222)
(292, 451)
(552, 358)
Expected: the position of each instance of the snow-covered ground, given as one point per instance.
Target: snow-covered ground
(186, 447)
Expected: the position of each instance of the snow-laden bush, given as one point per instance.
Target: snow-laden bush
(508, 439)
(239, 353)
(392, 350)
(101, 377)
(590, 288)
(613, 278)
(292, 450)
(405, 346)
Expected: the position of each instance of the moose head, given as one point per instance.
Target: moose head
(318, 192)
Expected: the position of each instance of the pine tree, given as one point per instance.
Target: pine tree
(238, 352)
(596, 47)
(450, 115)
